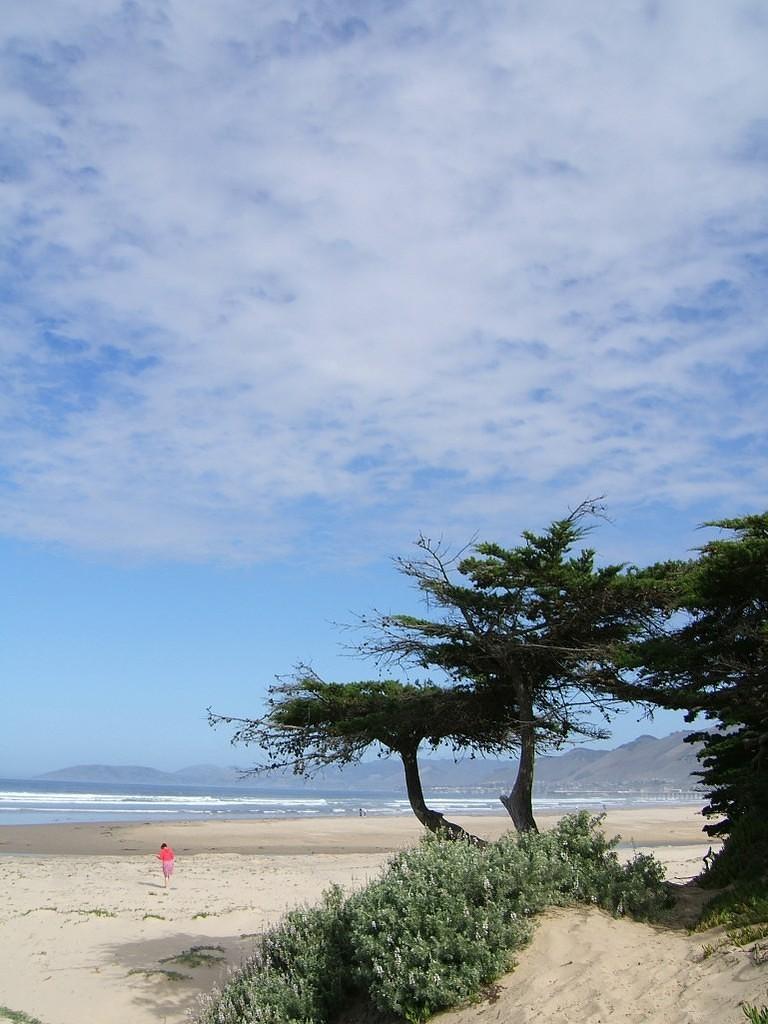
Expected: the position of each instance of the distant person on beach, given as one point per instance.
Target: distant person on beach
(166, 856)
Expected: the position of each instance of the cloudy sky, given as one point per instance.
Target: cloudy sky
(286, 283)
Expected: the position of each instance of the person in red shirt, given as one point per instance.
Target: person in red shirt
(167, 857)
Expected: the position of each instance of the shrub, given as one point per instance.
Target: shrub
(743, 856)
(578, 864)
(442, 921)
(298, 972)
(433, 930)
(446, 917)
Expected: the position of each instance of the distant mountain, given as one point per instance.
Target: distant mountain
(646, 764)
(127, 774)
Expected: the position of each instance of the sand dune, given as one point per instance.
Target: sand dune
(87, 931)
(585, 967)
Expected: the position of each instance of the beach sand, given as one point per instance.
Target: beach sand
(87, 929)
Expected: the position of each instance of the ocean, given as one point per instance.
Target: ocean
(40, 802)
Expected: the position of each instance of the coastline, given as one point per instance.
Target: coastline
(86, 922)
(647, 826)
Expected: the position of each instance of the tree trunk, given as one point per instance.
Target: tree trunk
(433, 820)
(519, 803)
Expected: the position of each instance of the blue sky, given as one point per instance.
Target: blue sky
(285, 284)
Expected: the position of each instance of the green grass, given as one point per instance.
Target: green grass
(710, 948)
(155, 917)
(749, 933)
(742, 910)
(87, 911)
(16, 1016)
(755, 1014)
(164, 972)
(197, 956)
(745, 903)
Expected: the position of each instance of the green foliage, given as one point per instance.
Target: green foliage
(744, 854)
(578, 859)
(312, 947)
(715, 665)
(16, 1016)
(164, 972)
(94, 912)
(755, 1014)
(710, 948)
(312, 723)
(441, 922)
(197, 956)
(530, 642)
(743, 904)
(435, 928)
(750, 933)
(297, 974)
(538, 630)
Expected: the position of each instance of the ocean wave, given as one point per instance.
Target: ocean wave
(23, 797)
(37, 802)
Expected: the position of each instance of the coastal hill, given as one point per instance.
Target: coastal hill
(645, 764)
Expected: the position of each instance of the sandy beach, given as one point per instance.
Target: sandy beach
(87, 931)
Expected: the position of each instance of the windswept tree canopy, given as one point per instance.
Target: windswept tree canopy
(714, 664)
(537, 628)
(311, 724)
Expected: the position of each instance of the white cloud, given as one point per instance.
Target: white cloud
(282, 274)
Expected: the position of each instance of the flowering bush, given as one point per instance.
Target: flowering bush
(446, 918)
(442, 921)
(436, 928)
(298, 973)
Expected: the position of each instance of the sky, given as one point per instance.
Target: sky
(286, 284)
